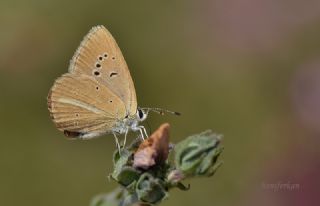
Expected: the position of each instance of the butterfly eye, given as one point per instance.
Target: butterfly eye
(140, 113)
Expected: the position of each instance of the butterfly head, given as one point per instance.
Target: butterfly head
(142, 114)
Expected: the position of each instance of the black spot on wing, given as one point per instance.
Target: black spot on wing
(72, 134)
(112, 74)
(96, 73)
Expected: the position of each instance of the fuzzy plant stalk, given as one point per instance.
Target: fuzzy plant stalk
(147, 170)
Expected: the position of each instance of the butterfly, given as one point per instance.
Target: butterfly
(97, 95)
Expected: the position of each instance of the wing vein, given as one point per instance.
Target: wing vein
(80, 104)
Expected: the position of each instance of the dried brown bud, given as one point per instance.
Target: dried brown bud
(153, 150)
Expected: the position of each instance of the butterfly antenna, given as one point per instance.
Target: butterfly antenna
(160, 111)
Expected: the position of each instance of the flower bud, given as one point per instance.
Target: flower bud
(197, 154)
(123, 173)
(150, 190)
(175, 176)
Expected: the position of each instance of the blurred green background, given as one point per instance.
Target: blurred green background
(247, 69)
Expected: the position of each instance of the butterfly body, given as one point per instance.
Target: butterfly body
(121, 126)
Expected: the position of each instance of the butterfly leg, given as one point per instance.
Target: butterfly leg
(144, 130)
(125, 137)
(141, 133)
(117, 142)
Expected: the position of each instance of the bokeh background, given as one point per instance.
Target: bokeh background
(248, 69)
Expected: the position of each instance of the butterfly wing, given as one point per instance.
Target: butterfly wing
(81, 106)
(99, 56)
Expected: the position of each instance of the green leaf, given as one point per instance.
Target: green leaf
(123, 173)
(197, 154)
(129, 200)
(127, 175)
(150, 190)
(109, 199)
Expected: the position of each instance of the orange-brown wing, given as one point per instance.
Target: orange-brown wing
(80, 105)
(100, 57)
